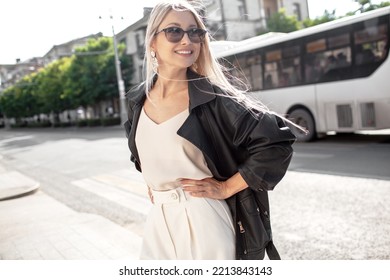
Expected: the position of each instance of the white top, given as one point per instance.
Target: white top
(166, 156)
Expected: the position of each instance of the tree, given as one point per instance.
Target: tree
(19, 100)
(280, 22)
(82, 77)
(363, 3)
(326, 17)
(91, 77)
(8, 102)
(85, 79)
(51, 88)
(366, 5)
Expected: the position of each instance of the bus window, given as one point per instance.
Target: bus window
(338, 41)
(313, 69)
(338, 58)
(271, 68)
(316, 46)
(251, 65)
(291, 66)
(370, 44)
(271, 75)
(314, 60)
(256, 75)
(327, 59)
(244, 70)
(268, 82)
(282, 67)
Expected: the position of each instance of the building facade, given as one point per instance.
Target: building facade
(134, 39)
(67, 49)
(236, 20)
(12, 73)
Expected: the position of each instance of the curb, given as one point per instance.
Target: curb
(14, 184)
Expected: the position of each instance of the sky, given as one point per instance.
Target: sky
(30, 28)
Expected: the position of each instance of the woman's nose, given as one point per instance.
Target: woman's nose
(186, 39)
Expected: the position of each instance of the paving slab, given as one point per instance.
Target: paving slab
(38, 227)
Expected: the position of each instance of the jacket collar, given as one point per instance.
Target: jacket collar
(200, 91)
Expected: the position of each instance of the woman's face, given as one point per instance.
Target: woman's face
(180, 55)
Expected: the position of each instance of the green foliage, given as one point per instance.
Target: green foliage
(280, 22)
(92, 78)
(84, 79)
(20, 101)
(51, 88)
(111, 121)
(366, 5)
(8, 101)
(326, 17)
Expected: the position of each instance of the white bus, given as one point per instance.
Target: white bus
(333, 77)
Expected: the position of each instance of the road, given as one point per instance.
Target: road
(330, 205)
(356, 155)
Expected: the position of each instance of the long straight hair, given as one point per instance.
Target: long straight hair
(207, 65)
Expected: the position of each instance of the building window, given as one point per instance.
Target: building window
(297, 11)
(140, 47)
(243, 10)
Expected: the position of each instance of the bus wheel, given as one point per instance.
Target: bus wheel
(304, 119)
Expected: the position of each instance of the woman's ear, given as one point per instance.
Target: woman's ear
(153, 45)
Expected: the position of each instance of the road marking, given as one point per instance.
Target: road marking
(312, 155)
(134, 202)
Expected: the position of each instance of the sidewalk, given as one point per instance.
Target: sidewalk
(35, 226)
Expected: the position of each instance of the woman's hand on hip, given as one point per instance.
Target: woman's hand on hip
(208, 187)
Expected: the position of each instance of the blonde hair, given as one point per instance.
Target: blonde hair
(207, 65)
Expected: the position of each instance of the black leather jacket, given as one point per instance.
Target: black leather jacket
(231, 139)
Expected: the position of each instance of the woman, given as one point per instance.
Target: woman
(205, 149)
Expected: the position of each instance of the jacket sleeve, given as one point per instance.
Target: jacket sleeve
(128, 125)
(268, 142)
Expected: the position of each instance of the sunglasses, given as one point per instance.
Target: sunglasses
(175, 34)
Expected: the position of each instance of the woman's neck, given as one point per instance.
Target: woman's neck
(172, 82)
(175, 75)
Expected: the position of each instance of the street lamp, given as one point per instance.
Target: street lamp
(121, 84)
(223, 19)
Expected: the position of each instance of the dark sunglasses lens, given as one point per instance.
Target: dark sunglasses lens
(196, 35)
(174, 34)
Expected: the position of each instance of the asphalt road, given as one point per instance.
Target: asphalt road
(355, 155)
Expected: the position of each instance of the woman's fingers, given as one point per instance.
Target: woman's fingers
(207, 187)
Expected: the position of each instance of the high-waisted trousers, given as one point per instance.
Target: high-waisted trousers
(183, 227)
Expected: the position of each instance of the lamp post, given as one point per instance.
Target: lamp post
(223, 19)
(121, 84)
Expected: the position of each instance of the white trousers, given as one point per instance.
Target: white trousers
(183, 227)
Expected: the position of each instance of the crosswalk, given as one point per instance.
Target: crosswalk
(124, 187)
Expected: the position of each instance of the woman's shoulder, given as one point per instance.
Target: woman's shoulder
(136, 93)
(237, 102)
(135, 89)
